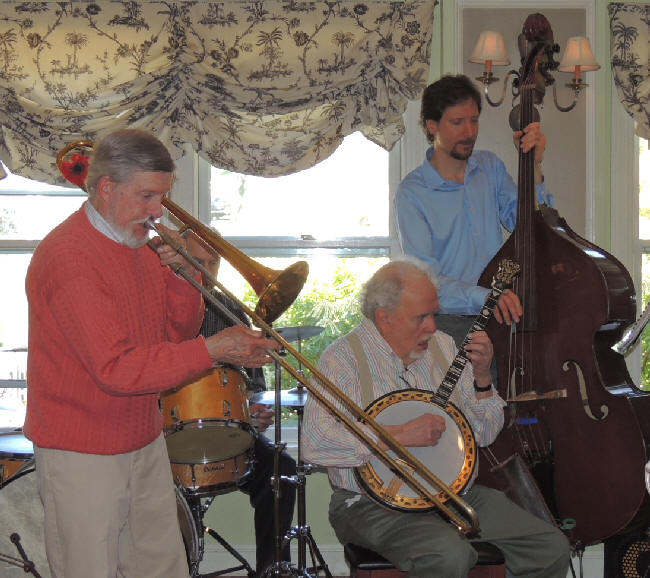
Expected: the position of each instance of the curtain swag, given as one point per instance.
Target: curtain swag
(265, 88)
(630, 44)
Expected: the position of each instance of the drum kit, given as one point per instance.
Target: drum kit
(210, 439)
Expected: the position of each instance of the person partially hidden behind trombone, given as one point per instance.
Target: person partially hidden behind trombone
(257, 484)
(111, 326)
(397, 347)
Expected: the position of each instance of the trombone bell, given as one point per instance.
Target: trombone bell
(276, 290)
(281, 291)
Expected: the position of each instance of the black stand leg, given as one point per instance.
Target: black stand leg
(25, 563)
(198, 511)
(243, 566)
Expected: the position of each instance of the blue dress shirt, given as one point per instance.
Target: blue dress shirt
(456, 227)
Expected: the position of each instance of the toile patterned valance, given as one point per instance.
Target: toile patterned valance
(630, 44)
(265, 88)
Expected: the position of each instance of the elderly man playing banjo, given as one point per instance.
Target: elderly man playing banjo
(397, 347)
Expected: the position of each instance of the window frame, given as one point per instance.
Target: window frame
(624, 209)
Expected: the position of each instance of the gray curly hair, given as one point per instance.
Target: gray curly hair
(384, 289)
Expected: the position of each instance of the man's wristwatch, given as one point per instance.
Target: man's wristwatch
(480, 389)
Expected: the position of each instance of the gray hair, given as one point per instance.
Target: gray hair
(126, 151)
(384, 289)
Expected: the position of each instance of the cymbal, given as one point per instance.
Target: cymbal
(293, 398)
(300, 332)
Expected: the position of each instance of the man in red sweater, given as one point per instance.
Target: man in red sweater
(111, 326)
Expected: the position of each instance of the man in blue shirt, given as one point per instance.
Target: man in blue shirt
(451, 209)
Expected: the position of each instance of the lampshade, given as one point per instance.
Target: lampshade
(578, 53)
(490, 47)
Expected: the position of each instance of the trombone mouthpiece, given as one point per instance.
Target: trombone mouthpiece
(151, 224)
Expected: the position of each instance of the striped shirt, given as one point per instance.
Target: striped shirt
(327, 442)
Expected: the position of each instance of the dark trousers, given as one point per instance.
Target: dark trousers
(258, 486)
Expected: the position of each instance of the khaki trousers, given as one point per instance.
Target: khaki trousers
(110, 516)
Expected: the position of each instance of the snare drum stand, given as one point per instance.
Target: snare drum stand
(198, 510)
(302, 531)
(279, 567)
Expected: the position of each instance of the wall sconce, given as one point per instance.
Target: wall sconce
(578, 58)
(490, 50)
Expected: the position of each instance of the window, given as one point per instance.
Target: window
(28, 211)
(336, 216)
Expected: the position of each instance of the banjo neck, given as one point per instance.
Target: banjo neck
(450, 380)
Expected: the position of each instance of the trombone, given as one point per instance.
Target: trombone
(268, 284)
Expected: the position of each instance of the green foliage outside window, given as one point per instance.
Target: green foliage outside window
(328, 303)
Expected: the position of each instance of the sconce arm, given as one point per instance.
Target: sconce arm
(503, 91)
(576, 94)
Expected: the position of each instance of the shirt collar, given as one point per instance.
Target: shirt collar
(432, 176)
(98, 221)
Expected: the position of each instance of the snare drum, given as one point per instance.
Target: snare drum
(15, 451)
(207, 429)
(215, 477)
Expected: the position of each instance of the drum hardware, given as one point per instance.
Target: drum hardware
(23, 562)
(21, 523)
(302, 531)
(197, 511)
(288, 398)
(301, 333)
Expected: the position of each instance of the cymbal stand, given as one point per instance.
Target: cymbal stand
(300, 387)
(279, 567)
(25, 563)
(302, 532)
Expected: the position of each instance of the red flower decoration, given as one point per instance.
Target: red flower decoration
(76, 169)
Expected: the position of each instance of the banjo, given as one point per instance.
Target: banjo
(454, 458)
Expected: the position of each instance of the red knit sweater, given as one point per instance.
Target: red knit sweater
(109, 328)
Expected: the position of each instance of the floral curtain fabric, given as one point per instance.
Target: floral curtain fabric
(265, 88)
(630, 44)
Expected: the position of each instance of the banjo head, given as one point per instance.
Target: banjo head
(453, 459)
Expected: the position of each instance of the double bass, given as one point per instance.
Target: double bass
(573, 412)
